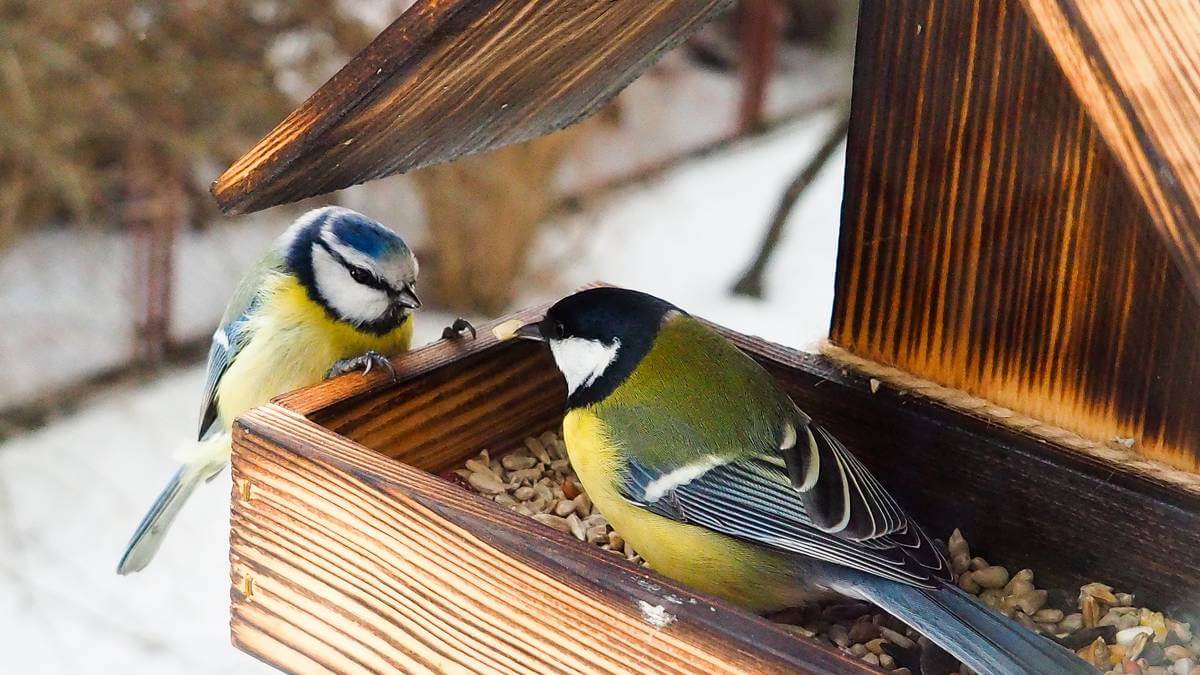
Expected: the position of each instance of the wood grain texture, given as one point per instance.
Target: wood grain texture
(1135, 67)
(992, 242)
(455, 77)
(358, 563)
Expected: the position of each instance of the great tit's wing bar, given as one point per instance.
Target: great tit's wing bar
(753, 499)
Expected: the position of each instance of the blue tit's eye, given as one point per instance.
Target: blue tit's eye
(361, 275)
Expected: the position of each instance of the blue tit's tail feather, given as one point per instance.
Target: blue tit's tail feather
(203, 465)
(983, 639)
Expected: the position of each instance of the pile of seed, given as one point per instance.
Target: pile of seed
(537, 480)
(1104, 627)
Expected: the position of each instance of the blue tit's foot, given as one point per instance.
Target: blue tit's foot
(364, 363)
(458, 330)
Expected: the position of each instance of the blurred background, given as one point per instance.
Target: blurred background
(714, 180)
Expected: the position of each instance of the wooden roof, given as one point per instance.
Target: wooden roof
(455, 77)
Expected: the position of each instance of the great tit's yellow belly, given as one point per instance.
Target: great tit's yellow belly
(294, 344)
(745, 574)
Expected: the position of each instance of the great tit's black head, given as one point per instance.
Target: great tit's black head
(598, 337)
(360, 271)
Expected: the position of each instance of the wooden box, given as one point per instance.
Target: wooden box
(350, 554)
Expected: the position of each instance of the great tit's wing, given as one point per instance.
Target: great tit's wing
(758, 498)
(839, 494)
(232, 335)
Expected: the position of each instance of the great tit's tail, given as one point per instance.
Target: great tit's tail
(982, 638)
(211, 456)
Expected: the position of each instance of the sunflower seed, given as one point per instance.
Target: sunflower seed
(557, 523)
(577, 527)
(583, 505)
(486, 483)
(992, 576)
(516, 462)
(538, 449)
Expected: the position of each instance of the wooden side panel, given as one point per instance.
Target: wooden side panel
(455, 77)
(991, 241)
(346, 561)
(1135, 66)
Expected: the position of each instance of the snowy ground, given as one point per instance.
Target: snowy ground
(71, 493)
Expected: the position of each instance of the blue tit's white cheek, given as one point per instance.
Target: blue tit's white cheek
(583, 361)
(347, 298)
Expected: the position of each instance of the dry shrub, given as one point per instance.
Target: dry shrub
(483, 213)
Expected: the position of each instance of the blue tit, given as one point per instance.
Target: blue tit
(334, 292)
(693, 453)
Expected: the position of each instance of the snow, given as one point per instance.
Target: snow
(71, 493)
(76, 313)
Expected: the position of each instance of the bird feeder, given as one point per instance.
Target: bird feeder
(1015, 342)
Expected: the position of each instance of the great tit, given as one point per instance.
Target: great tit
(693, 453)
(335, 292)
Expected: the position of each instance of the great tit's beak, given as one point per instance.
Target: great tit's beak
(530, 331)
(407, 297)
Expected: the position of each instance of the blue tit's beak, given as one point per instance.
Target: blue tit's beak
(407, 297)
(531, 331)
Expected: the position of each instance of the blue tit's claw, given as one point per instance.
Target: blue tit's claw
(365, 363)
(458, 330)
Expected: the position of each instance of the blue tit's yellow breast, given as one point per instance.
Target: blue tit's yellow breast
(293, 344)
(742, 573)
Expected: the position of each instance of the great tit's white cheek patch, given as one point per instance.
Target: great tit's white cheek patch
(583, 361)
(348, 299)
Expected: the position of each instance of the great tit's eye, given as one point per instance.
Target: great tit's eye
(560, 331)
(361, 275)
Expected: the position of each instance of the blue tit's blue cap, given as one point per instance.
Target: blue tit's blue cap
(365, 235)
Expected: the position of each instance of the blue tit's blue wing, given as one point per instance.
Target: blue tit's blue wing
(228, 340)
(773, 499)
(233, 333)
